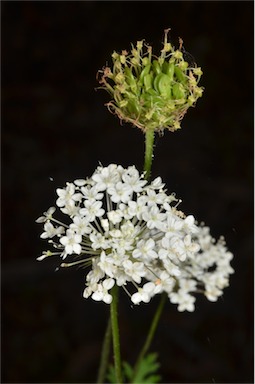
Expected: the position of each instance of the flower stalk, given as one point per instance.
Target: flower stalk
(115, 334)
(151, 333)
(148, 157)
(105, 353)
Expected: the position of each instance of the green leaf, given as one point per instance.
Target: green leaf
(111, 378)
(147, 369)
(145, 374)
(128, 371)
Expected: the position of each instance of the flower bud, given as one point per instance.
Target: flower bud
(151, 94)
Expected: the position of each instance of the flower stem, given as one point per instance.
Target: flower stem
(105, 353)
(115, 334)
(151, 333)
(149, 140)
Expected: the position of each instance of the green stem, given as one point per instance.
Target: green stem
(149, 140)
(115, 334)
(112, 326)
(105, 353)
(151, 333)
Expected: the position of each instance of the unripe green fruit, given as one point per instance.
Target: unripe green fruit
(130, 79)
(180, 75)
(147, 80)
(144, 72)
(156, 67)
(178, 91)
(152, 94)
(162, 85)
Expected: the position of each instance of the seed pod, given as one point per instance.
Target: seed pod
(156, 67)
(170, 70)
(147, 80)
(165, 67)
(162, 84)
(152, 92)
(145, 61)
(144, 72)
(178, 91)
(133, 108)
(180, 75)
(130, 79)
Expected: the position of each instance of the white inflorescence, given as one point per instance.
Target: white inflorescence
(131, 233)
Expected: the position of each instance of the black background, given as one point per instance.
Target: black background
(55, 125)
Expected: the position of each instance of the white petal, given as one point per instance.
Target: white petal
(77, 248)
(97, 296)
(107, 298)
(80, 182)
(64, 240)
(108, 284)
(41, 257)
(136, 298)
(41, 219)
(149, 287)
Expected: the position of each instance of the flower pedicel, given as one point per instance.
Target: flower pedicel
(130, 233)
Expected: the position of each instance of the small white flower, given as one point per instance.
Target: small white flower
(144, 294)
(212, 293)
(187, 285)
(154, 198)
(124, 211)
(189, 225)
(120, 192)
(98, 241)
(102, 294)
(89, 290)
(51, 231)
(115, 216)
(137, 208)
(95, 274)
(92, 210)
(157, 184)
(145, 250)
(80, 225)
(106, 177)
(190, 246)
(106, 264)
(172, 225)
(184, 300)
(132, 179)
(129, 230)
(172, 248)
(173, 269)
(164, 283)
(67, 195)
(71, 242)
(92, 193)
(135, 270)
(115, 234)
(46, 216)
(153, 217)
(70, 209)
(105, 224)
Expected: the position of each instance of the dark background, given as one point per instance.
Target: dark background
(55, 125)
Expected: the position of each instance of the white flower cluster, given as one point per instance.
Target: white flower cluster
(131, 233)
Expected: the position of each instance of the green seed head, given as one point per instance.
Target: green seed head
(151, 93)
